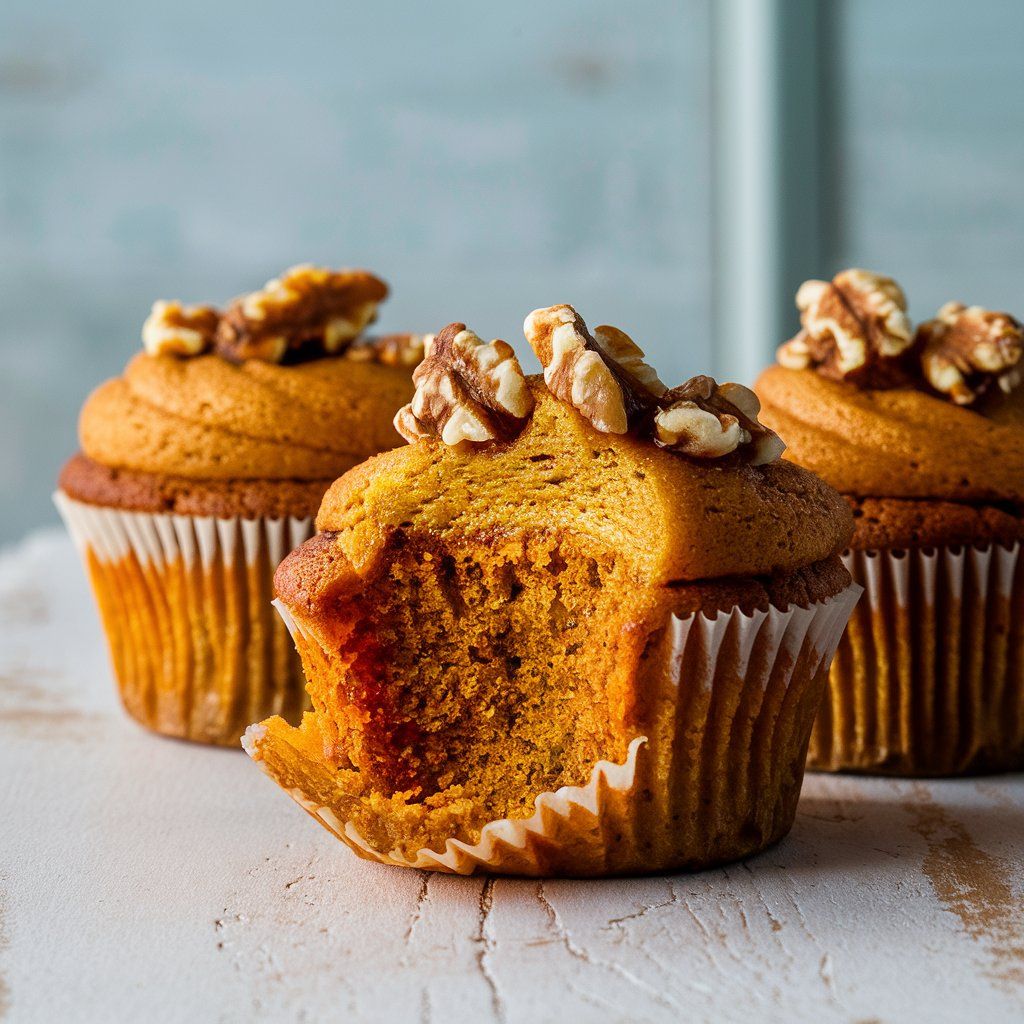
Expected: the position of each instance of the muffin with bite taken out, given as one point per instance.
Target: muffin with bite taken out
(580, 625)
(203, 464)
(923, 432)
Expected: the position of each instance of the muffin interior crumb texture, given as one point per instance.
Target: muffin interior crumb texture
(477, 628)
(472, 676)
(515, 683)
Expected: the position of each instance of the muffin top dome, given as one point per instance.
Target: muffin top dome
(879, 410)
(279, 385)
(686, 521)
(684, 481)
(207, 418)
(898, 442)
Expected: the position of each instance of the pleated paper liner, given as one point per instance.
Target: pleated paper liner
(929, 678)
(716, 777)
(197, 649)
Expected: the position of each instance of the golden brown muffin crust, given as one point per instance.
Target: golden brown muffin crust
(899, 443)
(901, 523)
(802, 587)
(95, 484)
(207, 419)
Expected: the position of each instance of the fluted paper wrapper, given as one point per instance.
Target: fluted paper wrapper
(197, 649)
(716, 778)
(929, 678)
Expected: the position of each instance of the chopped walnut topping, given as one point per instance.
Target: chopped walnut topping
(966, 350)
(855, 328)
(605, 378)
(174, 329)
(603, 375)
(307, 310)
(390, 349)
(466, 391)
(707, 420)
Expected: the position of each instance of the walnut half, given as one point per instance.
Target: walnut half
(174, 329)
(306, 311)
(966, 350)
(707, 420)
(466, 391)
(855, 327)
(390, 349)
(603, 375)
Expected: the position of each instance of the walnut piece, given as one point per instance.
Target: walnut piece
(174, 329)
(855, 327)
(390, 349)
(707, 420)
(306, 311)
(603, 375)
(968, 350)
(466, 391)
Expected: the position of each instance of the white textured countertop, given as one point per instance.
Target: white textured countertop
(148, 880)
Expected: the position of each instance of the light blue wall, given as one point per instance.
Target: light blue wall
(928, 151)
(485, 159)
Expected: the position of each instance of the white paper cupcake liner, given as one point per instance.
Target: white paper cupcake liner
(715, 777)
(185, 602)
(929, 678)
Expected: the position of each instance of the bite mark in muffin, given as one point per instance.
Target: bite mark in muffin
(482, 624)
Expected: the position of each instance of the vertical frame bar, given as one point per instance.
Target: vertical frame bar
(768, 94)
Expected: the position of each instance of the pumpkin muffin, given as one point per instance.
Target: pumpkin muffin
(202, 465)
(923, 432)
(580, 625)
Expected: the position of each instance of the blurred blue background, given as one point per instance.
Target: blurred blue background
(487, 160)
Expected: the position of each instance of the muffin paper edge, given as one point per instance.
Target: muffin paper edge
(929, 678)
(196, 647)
